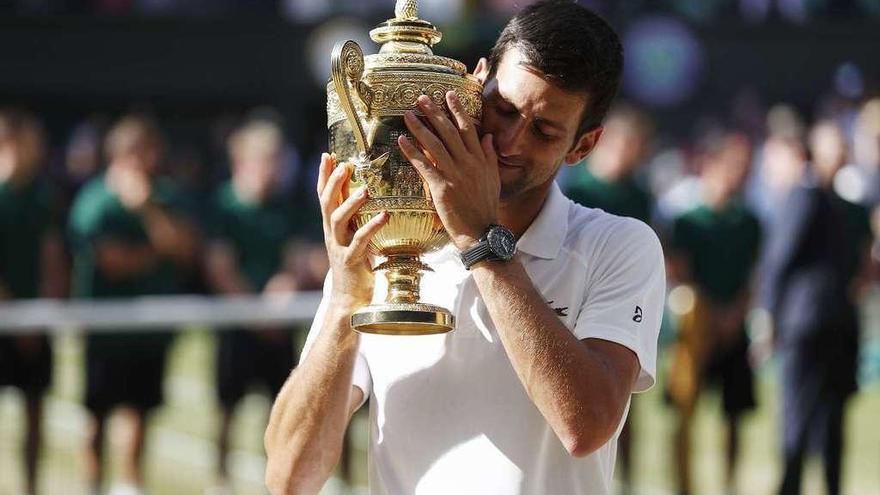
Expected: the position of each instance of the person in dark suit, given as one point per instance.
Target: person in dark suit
(816, 254)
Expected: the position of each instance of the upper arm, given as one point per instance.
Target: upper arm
(625, 299)
(118, 259)
(621, 365)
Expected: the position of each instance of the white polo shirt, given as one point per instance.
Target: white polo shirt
(448, 414)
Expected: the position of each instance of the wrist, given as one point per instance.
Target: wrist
(344, 305)
(465, 240)
(497, 243)
(337, 326)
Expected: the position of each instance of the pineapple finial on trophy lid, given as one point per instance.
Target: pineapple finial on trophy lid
(406, 33)
(406, 9)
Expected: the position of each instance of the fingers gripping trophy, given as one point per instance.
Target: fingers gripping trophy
(366, 100)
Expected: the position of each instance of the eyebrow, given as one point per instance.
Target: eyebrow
(496, 92)
(550, 123)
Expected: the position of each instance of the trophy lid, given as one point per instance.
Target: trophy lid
(406, 42)
(406, 32)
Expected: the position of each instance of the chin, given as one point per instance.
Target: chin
(512, 189)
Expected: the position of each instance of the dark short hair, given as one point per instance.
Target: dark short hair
(130, 131)
(572, 46)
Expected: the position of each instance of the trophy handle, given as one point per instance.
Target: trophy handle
(347, 69)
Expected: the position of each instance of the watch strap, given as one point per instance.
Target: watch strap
(476, 253)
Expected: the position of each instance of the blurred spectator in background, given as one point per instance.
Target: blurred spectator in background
(82, 156)
(866, 149)
(130, 237)
(250, 253)
(714, 249)
(608, 182)
(31, 265)
(818, 250)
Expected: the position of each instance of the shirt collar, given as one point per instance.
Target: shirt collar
(545, 235)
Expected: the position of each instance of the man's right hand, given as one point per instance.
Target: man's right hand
(352, 274)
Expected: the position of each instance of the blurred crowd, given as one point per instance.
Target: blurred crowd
(118, 226)
(780, 215)
(770, 234)
(796, 11)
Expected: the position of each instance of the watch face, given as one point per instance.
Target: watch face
(502, 243)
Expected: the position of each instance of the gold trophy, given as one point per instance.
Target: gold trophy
(366, 100)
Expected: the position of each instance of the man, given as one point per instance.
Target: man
(31, 265)
(815, 270)
(608, 181)
(528, 393)
(130, 239)
(253, 226)
(715, 248)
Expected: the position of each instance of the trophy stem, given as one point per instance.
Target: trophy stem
(403, 274)
(402, 313)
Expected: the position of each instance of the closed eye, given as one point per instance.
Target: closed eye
(541, 134)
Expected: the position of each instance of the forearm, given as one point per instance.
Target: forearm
(229, 284)
(307, 424)
(171, 237)
(575, 388)
(222, 271)
(53, 267)
(120, 260)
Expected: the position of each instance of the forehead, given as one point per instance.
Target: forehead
(533, 94)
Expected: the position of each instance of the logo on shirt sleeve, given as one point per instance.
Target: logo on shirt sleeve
(637, 316)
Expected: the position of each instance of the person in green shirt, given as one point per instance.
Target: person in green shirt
(130, 238)
(250, 252)
(608, 181)
(31, 265)
(714, 249)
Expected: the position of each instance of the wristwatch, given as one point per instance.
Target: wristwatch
(497, 244)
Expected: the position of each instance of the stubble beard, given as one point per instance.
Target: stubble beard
(512, 189)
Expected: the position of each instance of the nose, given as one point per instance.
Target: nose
(508, 139)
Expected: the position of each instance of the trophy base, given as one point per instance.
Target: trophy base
(402, 319)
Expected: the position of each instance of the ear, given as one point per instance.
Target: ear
(481, 71)
(583, 146)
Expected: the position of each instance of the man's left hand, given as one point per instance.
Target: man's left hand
(461, 169)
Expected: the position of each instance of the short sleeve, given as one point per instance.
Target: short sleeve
(625, 298)
(87, 216)
(361, 377)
